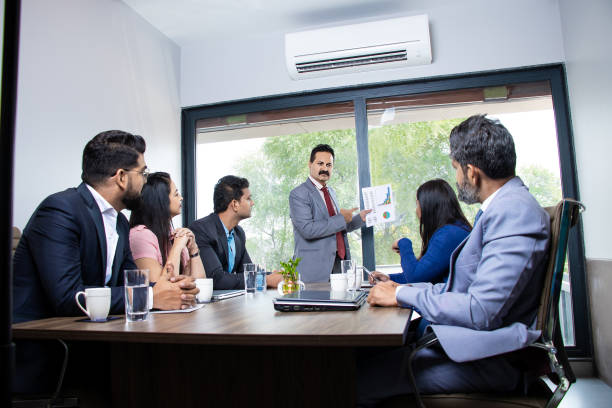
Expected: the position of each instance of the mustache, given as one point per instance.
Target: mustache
(324, 172)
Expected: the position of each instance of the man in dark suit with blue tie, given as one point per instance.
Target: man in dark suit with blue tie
(78, 238)
(221, 240)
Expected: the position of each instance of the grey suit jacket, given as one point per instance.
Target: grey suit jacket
(314, 231)
(490, 303)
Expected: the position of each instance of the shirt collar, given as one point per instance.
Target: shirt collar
(487, 202)
(102, 203)
(227, 233)
(318, 185)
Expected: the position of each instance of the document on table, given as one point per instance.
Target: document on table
(381, 201)
(188, 310)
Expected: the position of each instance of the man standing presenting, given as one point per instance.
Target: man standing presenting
(319, 225)
(489, 304)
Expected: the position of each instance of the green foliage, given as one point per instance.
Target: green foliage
(542, 183)
(279, 167)
(407, 155)
(404, 155)
(289, 269)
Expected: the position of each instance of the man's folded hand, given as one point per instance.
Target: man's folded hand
(173, 292)
(383, 294)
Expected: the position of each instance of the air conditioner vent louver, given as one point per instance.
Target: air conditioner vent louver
(365, 59)
(394, 43)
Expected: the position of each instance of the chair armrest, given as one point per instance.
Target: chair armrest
(428, 339)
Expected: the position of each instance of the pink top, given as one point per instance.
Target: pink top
(144, 244)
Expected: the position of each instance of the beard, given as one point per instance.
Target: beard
(467, 193)
(131, 199)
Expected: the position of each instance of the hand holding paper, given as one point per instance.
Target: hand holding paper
(363, 214)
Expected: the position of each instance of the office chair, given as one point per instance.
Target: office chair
(544, 358)
(16, 238)
(49, 401)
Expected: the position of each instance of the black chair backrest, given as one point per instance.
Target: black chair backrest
(562, 217)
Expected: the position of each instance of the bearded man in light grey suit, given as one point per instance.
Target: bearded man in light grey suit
(488, 306)
(319, 224)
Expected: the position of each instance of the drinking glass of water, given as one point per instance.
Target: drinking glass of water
(136, 286)
(349, 267)
(250, 276)
(260, 280)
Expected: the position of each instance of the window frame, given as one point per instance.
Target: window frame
(554, 74)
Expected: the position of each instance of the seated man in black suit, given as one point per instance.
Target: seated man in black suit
(78, 238)
(221, 241)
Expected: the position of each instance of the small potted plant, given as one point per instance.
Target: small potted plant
(290, 282)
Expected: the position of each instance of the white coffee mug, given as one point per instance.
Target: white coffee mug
(206, 289)
(338, 282)
(98, 303)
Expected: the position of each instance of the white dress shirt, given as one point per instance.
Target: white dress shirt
(109, 218)
(319, 186)
(487, 202)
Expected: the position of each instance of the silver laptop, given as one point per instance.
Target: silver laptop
(319, 301)
(221, 294)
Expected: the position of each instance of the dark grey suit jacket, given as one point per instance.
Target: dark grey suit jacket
(63, 251)
(314, 231)
(212, 241)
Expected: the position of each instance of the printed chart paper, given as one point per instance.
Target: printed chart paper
(380, 200)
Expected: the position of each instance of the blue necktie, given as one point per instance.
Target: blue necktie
(478, 214)
(231, 251)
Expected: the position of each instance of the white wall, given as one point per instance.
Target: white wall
(587, 32)
(87, 66)
(467, 36)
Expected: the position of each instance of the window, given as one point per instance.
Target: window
(393, 133)
(408, 145)
(271, 149)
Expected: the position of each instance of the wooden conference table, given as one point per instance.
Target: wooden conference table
(236, 352)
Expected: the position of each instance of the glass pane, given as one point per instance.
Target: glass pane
(408, 143)
(272, 149)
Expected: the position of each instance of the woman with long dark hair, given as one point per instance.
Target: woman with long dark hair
(153, 240)
(442, 228)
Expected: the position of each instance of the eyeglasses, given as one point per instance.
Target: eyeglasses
(144, 173)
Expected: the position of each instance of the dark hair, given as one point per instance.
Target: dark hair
(228, 188)
(108, 152)
(439, 207)
(321, 148)
(154, 210)
(486, 144)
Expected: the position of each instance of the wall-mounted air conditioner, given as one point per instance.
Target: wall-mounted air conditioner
(392, 43)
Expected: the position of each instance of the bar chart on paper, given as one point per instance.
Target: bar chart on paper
(380, 200)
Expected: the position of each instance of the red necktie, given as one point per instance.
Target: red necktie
(339, 238)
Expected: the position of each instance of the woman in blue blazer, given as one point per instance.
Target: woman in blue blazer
(442, 228)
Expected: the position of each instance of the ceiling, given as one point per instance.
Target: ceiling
(188, 22)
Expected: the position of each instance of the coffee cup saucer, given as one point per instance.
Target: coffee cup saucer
(108, 319)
